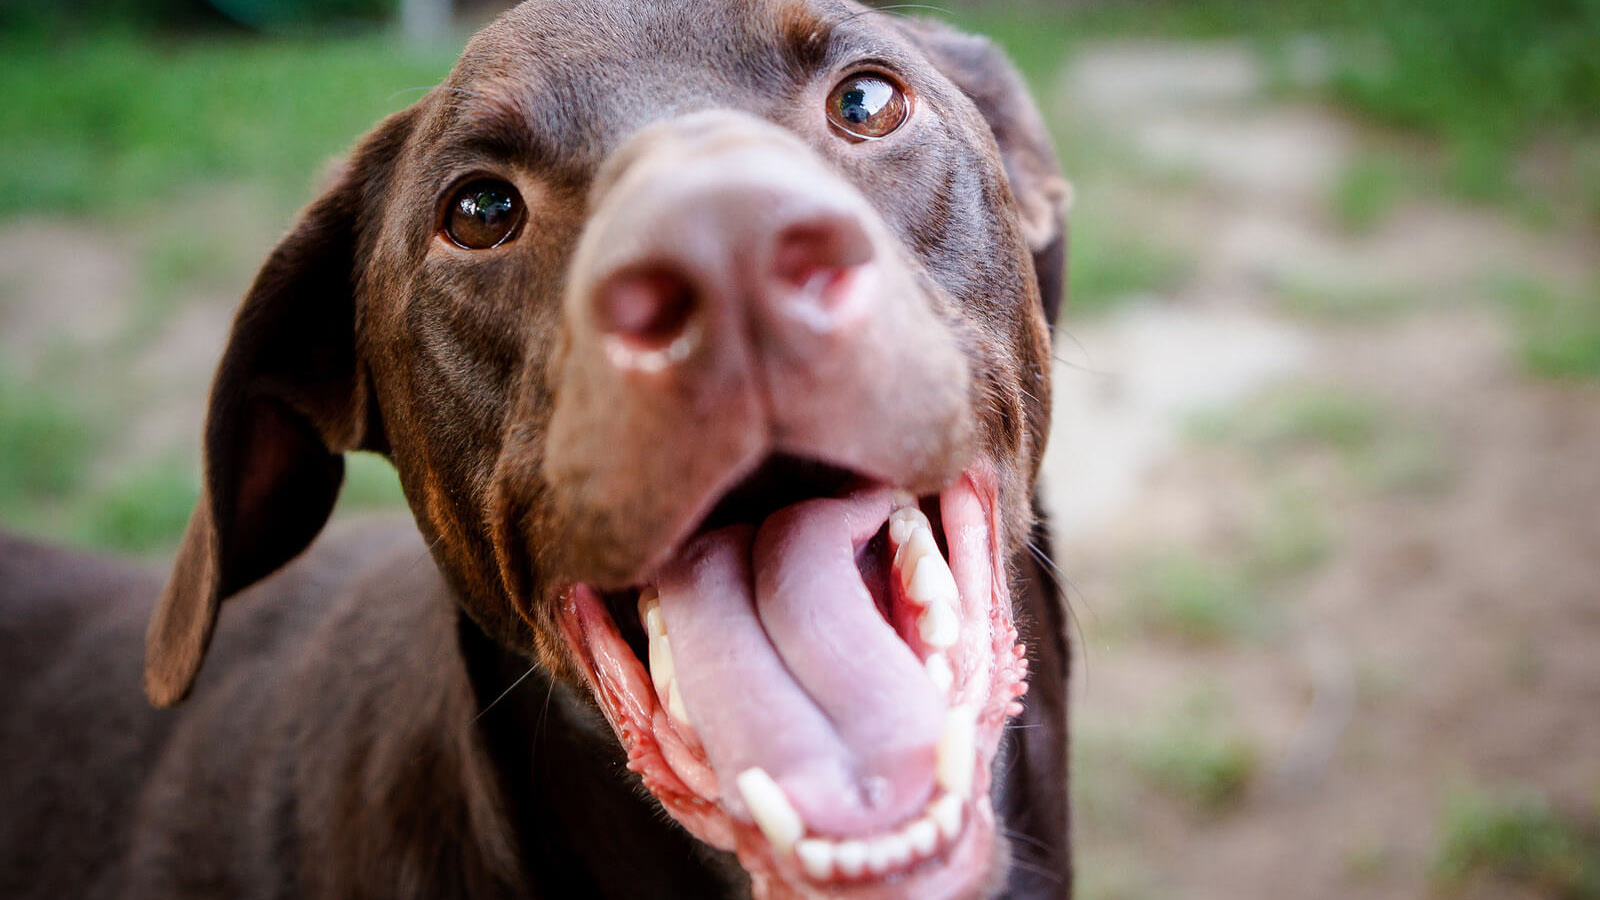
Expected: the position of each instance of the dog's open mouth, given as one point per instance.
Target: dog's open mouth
(819, 682)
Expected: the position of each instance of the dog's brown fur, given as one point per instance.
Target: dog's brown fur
(343, 739)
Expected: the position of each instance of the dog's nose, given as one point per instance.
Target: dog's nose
(748, 251)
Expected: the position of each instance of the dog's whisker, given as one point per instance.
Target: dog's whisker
(503, 694)
(1044, 872)
(1025, 838)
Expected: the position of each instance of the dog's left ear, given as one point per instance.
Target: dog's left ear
(982, 71)
(288, 399)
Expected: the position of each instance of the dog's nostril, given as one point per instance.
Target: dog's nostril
(821, 247)
(647, 308)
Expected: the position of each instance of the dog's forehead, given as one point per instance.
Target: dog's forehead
(577, 76)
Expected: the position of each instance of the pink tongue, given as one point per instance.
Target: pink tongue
(784, 662)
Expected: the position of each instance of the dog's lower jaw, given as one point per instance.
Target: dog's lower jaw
(944, 849)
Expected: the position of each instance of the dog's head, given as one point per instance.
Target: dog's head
(710, 341)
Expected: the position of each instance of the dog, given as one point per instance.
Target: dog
(711, 343)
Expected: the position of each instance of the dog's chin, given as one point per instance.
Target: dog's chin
(821, 687)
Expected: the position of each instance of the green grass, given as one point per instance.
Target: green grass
(1558, 329)
(1289, 537)
(1296, 418)
(370, 482)
(110, 122)
(1199, 599)
(1365, 192)
(46, 443)
(1374, 446)
(1196, 755)
(1517, 839)
(1485, 75)
(143, 512)
(1336, 300)
(1110, 265)
(1481, 78)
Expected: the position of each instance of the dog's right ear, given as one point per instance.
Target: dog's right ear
(289, 397)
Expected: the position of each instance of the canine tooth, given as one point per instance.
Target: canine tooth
(771, 809)
(919, 546)
(662, 670)
(650, 610)
(939, 626)
(957, 752)
(905, 520)
(902, 499)
(887, 853)
(931, 582)
(946, 815)
(851, 857)
(939, 672)
(922, 837)
(816, 857)
(675, 708)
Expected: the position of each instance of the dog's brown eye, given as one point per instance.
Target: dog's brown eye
(868, 106)
(483, 214)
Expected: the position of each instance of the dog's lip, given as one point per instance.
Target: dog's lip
(990, 680)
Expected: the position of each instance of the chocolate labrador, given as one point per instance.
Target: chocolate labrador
(711, 343)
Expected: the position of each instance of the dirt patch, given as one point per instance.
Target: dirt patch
(1438, 633)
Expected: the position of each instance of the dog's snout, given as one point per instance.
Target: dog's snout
(814, 270)
(745, 256)
(733, 295)
(646, 314)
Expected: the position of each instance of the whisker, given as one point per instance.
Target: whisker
(1027, 839)
(507, 691)
(1041, 871)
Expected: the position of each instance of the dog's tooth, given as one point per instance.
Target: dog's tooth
(650, 610)
(919, 546)
(939, 626)
(931, 581)
(900, 499)
(662, 670)
(945, 813)
(923, 838)
(939, 672)
(851, 857)
(816, 857)
(675, 707)
(887, 853)
(904, 521)
(957, 752)
(770, 807)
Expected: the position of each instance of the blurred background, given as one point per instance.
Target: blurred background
(1326, 465)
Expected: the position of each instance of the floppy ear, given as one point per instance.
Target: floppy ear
(983, 73)
(288, 398)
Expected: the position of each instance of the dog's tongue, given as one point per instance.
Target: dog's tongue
(785, 663)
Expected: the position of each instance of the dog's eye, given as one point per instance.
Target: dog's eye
(868, 106)
(483, 214)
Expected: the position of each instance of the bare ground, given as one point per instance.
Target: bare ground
(1447, 640)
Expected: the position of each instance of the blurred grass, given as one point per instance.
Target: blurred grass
(46, 444)
(111, 122)
(1365, 192)
(1196, 598)
(1374, 446)
(1485, 79)
(1196, 754)
(1517, 839)
(1558, 329)
(1111, 265)
(1334, 298)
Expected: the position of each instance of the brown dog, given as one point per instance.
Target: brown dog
(710, 341)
